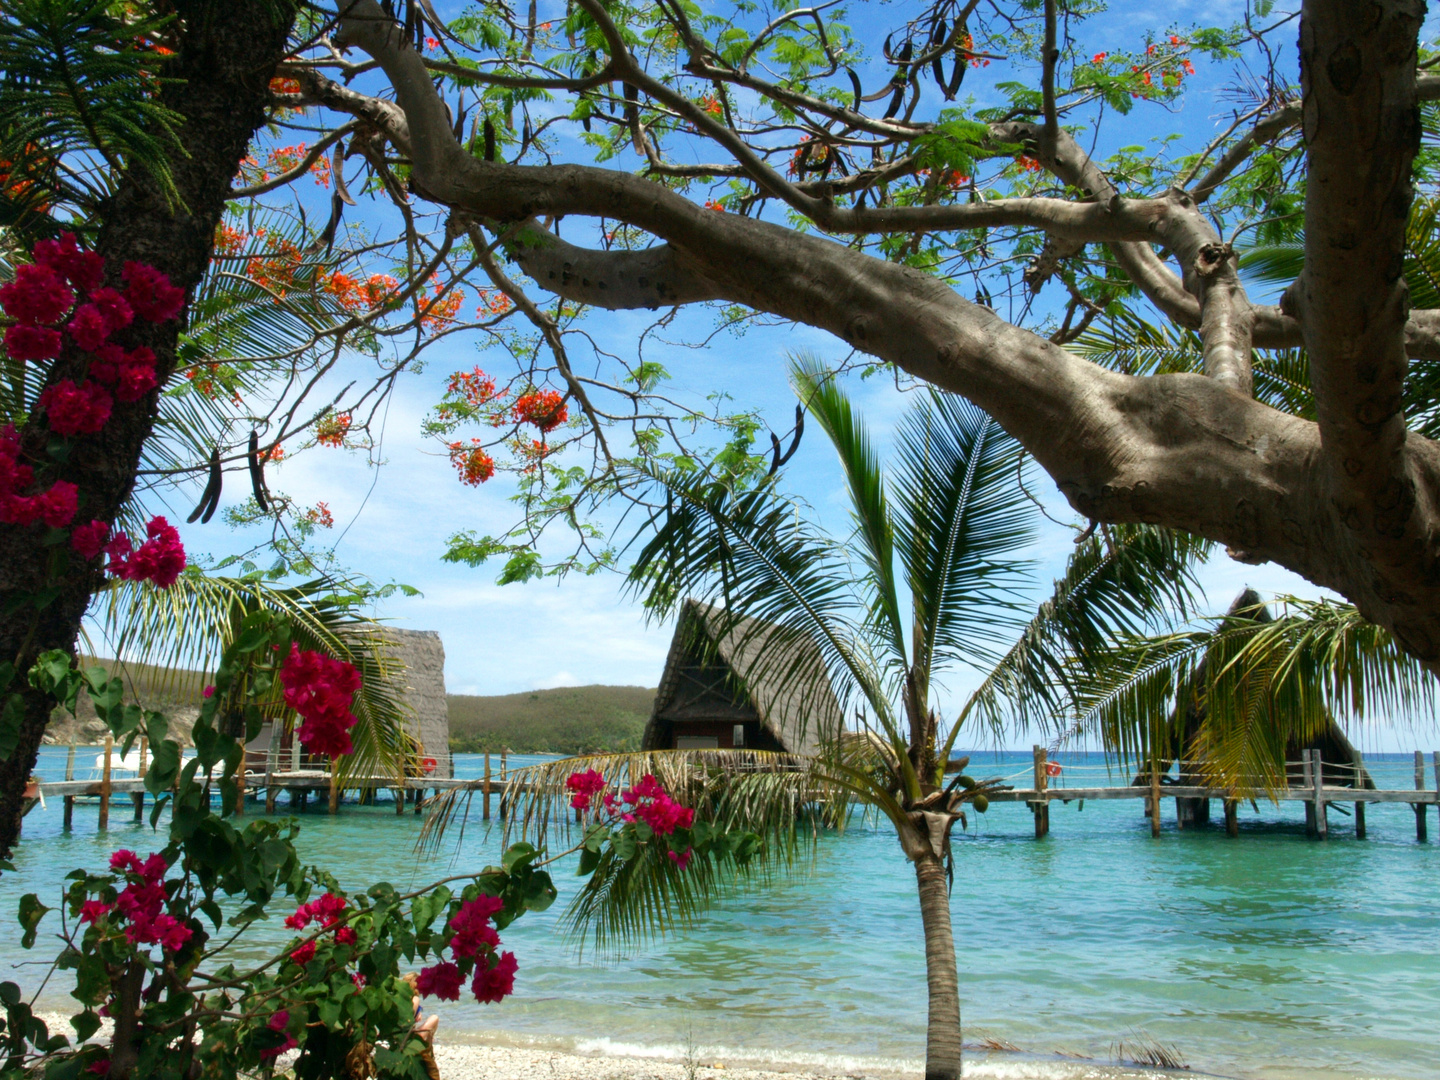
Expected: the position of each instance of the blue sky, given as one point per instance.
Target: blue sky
(580, 630)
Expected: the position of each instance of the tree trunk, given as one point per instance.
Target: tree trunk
(942, 1034)
(227, 54)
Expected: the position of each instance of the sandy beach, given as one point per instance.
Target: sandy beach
(459, 1061)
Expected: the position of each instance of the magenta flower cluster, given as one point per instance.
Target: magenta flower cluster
(325, 912)
(647, 801)
(320, 689)
(40, 297)
(139, 908)
(473, 945)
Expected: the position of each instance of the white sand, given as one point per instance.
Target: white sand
(459, 1061)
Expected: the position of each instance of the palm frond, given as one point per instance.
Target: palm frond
(785, 800)
(963, 513)
(79, 87)
(820, 393)
(189, 624)
(1128, 581)
(766, 573)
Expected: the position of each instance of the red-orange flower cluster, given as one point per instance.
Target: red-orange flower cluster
(331, 429)
(320, 515)
(544, 408)
(475, 387)
(473, 464)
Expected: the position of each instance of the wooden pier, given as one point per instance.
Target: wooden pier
(1316, 795)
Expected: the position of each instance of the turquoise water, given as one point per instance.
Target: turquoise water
(1271, 956)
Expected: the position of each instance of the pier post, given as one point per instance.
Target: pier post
(1317, 770)
(1232, 817)
(505, 750)
(271, 754)
(487, 786)
(294, 753)
(70, 799)
(138, 798)
(1155, 795)
(1420, 828)
(1041, 806)
(1359, 806)
(104, 819)
(1307, 781)
(419, 799)
(334, 779)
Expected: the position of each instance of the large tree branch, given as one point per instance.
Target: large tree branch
(1186, 451)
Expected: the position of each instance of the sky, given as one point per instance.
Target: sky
(392, 522)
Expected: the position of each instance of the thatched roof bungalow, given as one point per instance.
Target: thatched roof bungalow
(739, 689)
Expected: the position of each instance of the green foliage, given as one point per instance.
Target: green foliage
(567, 720)
(79, 86)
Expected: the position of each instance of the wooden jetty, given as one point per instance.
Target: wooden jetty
(269, 779)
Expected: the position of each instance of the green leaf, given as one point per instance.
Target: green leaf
(12, 717)
(85, 1024)
(30, 914)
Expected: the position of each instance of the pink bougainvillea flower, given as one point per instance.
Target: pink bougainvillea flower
(37, 295)
(496, 983)
(304, 954)
(57, 506)
(150, 293)
(88, 541)
(83, 269)
(88, 327)
(76, 410)
(320, 689)
(681, 858)
(26, 342)
(113, 308)
(93, 911)
(586, 785)
(160, 559)
(346, 935)
(442, 981)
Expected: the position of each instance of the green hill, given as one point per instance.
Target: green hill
(567, 720)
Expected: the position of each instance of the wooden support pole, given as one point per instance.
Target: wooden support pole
(1359, 806)
(294, 753)
(1317, 770)
(70, 799)
(1155, 795)
(419, 798)
(272, 755)
(104, 820)
(487, 786)
(1041, 806)
(1420, 827)
(138, 797)
(505, 750)
(334, 780)
(1232, 817)
(1308, 782)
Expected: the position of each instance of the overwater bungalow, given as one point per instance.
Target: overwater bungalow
(716, 693)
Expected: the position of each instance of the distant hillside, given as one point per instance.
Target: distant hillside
(568, 720)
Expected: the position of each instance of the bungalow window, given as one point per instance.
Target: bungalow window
(739, 739)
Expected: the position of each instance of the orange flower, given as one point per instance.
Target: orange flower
(711, 104)
(282, 84)
(545, 409)
(496, 303)
(1099, 57)
(319, 514)
(711, 204)
(331, 429)
(474, 386)
(472, 463)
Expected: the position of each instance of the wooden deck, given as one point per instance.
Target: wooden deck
(1313, 793)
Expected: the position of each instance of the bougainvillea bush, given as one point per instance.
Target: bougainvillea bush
(163, 943)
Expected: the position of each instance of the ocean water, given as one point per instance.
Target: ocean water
(1270, 956)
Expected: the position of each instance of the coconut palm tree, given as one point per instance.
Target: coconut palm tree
(930, 577)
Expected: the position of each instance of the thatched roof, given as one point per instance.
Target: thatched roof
(766, 673)
(424, 681)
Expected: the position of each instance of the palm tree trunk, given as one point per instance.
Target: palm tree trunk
(942, 1036)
